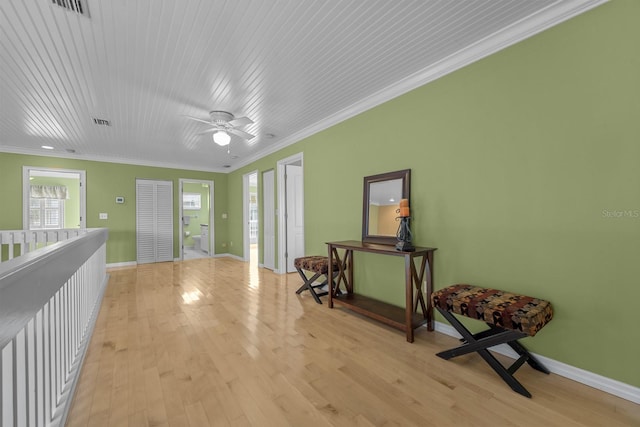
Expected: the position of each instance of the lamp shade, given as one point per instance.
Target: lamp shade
(221, 138)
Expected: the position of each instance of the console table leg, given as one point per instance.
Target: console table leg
(429, 274)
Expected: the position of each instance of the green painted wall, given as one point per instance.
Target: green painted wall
(524, 174)
(105, 181)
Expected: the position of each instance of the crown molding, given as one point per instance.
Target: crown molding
(558, 12)
(544, 19)
(105, 159)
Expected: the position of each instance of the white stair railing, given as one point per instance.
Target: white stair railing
(14, 243)
(49, 301)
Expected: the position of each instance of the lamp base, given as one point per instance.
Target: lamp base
(405, 246)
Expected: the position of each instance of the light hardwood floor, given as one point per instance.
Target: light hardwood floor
(220, 342)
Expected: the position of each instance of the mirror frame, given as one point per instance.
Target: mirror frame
(405, 176)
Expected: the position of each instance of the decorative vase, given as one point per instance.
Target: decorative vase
(404, 236)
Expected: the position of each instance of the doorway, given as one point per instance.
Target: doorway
(53, 198)
(290, 212)
(196, 212)
(250, 216)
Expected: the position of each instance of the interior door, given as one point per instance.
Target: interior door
(268, 222)
(295, 215)
(154, 221)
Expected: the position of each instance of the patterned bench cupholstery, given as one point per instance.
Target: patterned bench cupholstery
(318, 265)
(504, 309)
(509, 317)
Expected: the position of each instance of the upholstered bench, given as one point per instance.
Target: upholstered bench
(509, 317)
(319, 265)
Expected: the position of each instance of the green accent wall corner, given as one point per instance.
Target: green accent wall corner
(524, 175)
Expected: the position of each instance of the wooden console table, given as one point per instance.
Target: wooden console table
(407, 318)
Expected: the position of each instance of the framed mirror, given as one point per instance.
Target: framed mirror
(381, 196)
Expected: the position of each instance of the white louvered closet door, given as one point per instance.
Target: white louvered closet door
(154, 221)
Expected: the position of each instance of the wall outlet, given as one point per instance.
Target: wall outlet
(103, 215)
(224, 244)
(230, 243)
(224, 216)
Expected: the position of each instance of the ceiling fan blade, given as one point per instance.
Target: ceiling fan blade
(240, 121)
(208, 131)
(198, 120)
(241, 133)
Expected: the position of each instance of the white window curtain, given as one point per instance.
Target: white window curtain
(49, 192)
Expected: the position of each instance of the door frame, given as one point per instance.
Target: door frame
(268, 217)
(26, 193)
(282, 207)
(212, 246)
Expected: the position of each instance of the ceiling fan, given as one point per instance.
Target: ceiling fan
(224, 123)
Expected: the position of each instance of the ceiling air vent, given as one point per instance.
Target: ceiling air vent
(76, 6)
(101, 122)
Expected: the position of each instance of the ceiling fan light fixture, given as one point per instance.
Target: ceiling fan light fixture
(221, 138)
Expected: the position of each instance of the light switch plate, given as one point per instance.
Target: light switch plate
(103, 215)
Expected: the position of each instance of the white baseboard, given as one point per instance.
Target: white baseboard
(122, 264)
(608, 385)
(228, 255)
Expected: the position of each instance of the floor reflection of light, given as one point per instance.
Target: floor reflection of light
(191, 297)
(254, 271)
(254, 284)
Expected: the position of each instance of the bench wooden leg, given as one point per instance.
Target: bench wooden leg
(516, 346)
(308, 285)
(480, 343)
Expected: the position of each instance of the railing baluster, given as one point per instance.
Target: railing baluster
(16, 243)
(10, 247)
(54, 351)
(20, 379)
(6, 375)
(43, 337)
(31, 371)
(47, 360)
(39, 370)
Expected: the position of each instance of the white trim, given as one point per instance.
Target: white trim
(553, 15)
(228, 255)
(608, 385)
(107, 159)
(246, 247)
(122, 264)
(59, 172)
(269, 219)
(560, 11)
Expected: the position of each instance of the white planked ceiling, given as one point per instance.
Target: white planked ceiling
(294, 67)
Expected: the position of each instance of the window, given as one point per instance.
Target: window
(191, 201)
(46, 214)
